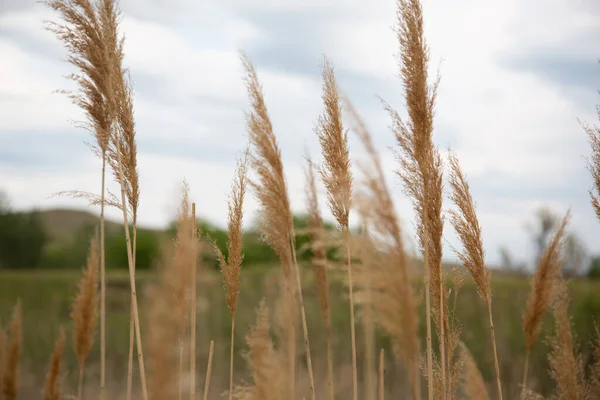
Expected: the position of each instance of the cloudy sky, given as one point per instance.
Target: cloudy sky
(516, 78)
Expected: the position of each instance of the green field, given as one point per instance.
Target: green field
(46, 299)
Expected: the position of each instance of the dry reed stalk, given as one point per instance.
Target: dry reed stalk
(421, 172)
(10, 378)
(565, 362)
(467, 226)
(319, 262)
(593, 133)
(85, 311)
(209, 369)
(85, 43)
(381, 375)
(337, 178)
(178, 274)
(232, 266)
(397, 308)
(193, 307)
(473, 383)
(52, 387)
(542, 288)
(275, 214)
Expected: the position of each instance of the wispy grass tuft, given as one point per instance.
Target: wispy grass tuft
(52, 388)
(85, 311)
(231, 267)
(542, 289)
(337, 178)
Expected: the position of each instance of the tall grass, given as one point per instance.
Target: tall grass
(378, 258)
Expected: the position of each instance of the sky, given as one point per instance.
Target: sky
(517, 80)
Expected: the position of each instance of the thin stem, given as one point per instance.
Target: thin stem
(493, 336)
(369, 338)
(102, 286)
(525, 373)
(209, 369)
(330, 358)
(381, 374)
(193, 311)
(131, 323)
(231, 356)
(352, 327)
(134, 305)
(181, 336)
(300, 298)
(131, 345)
(80, 383)
(444, 361)
(428, 307)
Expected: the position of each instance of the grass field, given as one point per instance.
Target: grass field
(46, 298)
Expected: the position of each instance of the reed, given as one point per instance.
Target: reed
(467, 226)
(85, 311)
(52, 387)
(231, 267)
(542, 288)
(337, 178)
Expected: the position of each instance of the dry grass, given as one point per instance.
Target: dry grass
(466, 224)
(232, 266)
(52, 388)
(384, 290)
(473, 383)
(394, 302)
(565, 364)
(542, 289)
(275, 213)
(10, 378)
(319, 262)
(85, 311)
(337, 178)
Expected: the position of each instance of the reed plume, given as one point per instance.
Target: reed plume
(337, 178)
(565, 363)
(421, 173)
(467, 226)
(542, 288)
(10, 378)
(52, 387)
(85, 311)
(169, 305)
(178, 275)
(395, 304)
(319, 263)
(266, 362)
(473, 383)
(85, 39)
(593, 133)
(232, 266)
(276, 220)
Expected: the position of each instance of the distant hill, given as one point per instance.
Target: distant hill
(62, 223)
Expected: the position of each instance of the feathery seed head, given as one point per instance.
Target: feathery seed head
(334, 145)
(466, 224)
(85, 306)
(52, 389)
(543, 282)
